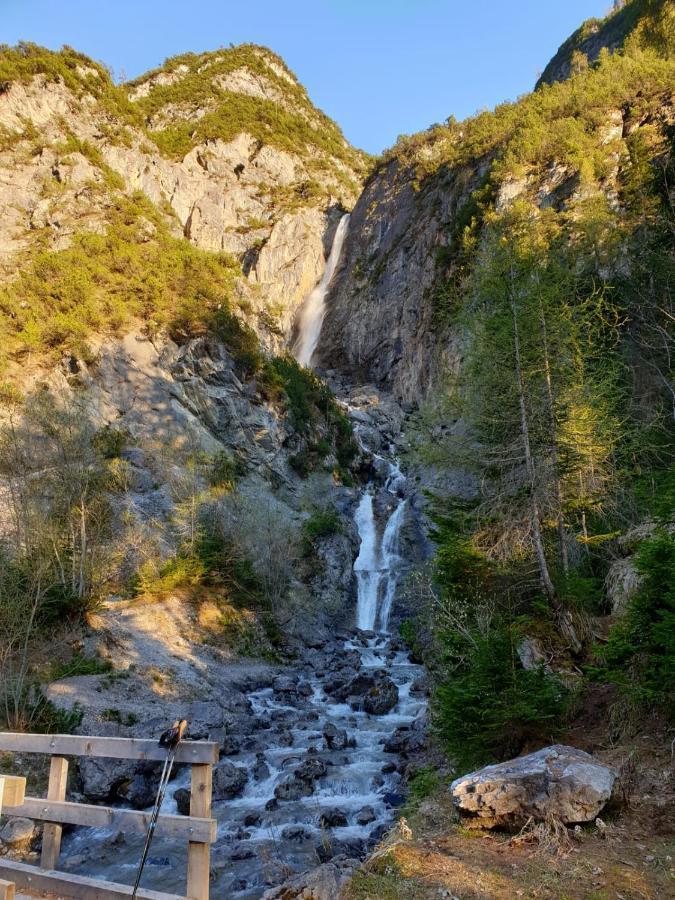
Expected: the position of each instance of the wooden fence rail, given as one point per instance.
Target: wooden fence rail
(199, 829)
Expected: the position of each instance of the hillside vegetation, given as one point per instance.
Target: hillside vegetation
(559, 275)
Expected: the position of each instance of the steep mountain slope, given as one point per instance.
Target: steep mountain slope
(416, 228)
(226, 146)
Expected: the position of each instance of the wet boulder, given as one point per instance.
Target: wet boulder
(182, 798)
(311, 768)
(230, 746)
(335, 738)
(558, 782)
(228, 781)
(333, 818)
(141, 790)
(365, 815)
(293, 788)
(261, 771)
(381, 698)
(296, 833)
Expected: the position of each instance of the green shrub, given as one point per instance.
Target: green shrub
(640, 653)
(78, 664)
(487, 707)
(322, 523)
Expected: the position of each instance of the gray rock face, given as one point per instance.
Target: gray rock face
(228, 781)
(379, 322)
(557, 782)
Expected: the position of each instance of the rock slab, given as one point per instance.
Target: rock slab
(558, 782)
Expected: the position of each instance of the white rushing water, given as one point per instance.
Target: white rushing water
(377, 566)
(313, 309)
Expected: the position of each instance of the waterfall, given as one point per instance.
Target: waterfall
(377, 566)
(313, 308)
(390, 560)
(366, 566)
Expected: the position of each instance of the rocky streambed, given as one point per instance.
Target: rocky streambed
(312, 770)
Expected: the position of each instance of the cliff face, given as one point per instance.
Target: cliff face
(380, 322)
(396, 307)
(197, 138)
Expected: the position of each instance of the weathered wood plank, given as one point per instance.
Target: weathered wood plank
(201, 790)
(65, 813)
(76, 886)
(14, 790)
(108, 747)
(56, 790)
(7, 890)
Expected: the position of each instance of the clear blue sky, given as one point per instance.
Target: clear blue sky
(379, 67)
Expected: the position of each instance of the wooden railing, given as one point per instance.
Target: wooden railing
(199, 829)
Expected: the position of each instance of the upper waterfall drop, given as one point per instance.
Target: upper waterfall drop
(313, 309)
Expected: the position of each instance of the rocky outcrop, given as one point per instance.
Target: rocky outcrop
(244, 196)
(326, 882)
(379, 323)
(557, 783)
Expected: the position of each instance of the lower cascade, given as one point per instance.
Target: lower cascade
(377, 566)
(309, 773)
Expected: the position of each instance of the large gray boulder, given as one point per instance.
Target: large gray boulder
(558, 782)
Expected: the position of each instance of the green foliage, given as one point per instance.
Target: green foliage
(290, 122)
(77, 72)
(423, 784)
(78, 664)
(640, 653)
(315, 416)
(109, 442)
(322, 523)
(225, 469)
(487, 706)
(102, 282)
(115, 715)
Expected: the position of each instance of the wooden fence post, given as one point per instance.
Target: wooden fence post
(51, 836)
(6, 890)
(199, 853)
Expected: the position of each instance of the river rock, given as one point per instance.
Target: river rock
(261, 771)
(311, 768)
(333, 818)
(228, 781)
(326, 882)
(335, 738)
(182, 798)
(381, 698)
(19, 833)
(230, 746)
(558, 782)
(293, 788)
(365, 815)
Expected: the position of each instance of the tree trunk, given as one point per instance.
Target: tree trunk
(562, 614)
(564, 558)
